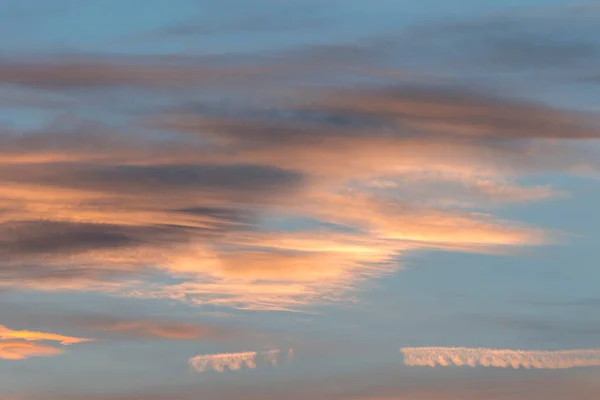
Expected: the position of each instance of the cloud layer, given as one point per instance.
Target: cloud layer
(218, 197)
(192, 190)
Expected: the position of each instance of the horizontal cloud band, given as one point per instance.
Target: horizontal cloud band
(19, 345)
(235, 361)
(459, 356)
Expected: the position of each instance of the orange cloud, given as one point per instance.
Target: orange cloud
(30, 336)
(13, 350)
(197, 207)
(154, 329)
(18, 345)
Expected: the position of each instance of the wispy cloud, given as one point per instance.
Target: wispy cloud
(148, 72)
(194, 207)
(190, 191)
(20, 344)
(153, 329)
(13, 350)
(235, 361)
(459, 356)
(513, 40)
(31, 336)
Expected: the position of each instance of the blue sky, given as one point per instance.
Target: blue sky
(299, 199)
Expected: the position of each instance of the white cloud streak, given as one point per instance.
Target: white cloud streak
(459, 356)
(235, 361)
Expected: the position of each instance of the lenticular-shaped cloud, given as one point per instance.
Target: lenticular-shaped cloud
(458, 356)
(193, 195)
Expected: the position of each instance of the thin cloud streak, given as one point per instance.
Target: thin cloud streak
(459, 356)
(31, 336)
(138, 72)
(20, 345)
(11, 350)
(141, 329)
(235, 361)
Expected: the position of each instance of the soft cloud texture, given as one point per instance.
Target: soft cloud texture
(30, 336)
(235, 361)
(18, 345)
(10, 350)
(185, 180)
(153, 329)
(458, 356)
(195, 203)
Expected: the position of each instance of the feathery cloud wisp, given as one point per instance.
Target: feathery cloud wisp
(31, 336)
(194, 200)
(18, 345)
(235, 361)
(459, 356)
(13, 350)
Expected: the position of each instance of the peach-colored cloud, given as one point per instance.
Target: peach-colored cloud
(14, 350)
(445, 356)
(21, 344)
(30, 336)
(453, 111)
(391, 218)
(154, 329)
(109, 211)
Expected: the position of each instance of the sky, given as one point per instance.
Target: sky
(299, 199)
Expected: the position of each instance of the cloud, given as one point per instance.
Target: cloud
(154, 329)
(19, 345)
(438, 133)
(441, 111)
(214, 196)
(234, 361)
(30, 336)
(247, 179)
(39, 237)
(68, 72)
(445, 356)
(528, 39)
(10, 350)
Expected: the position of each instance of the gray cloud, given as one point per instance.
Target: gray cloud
(251, 180)
(106, 72)
(541, 38)
(425, 112)
(39, 237)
